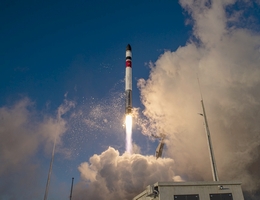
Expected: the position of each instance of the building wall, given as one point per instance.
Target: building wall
(167, 190)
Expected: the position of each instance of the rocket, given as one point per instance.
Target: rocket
(128, 80)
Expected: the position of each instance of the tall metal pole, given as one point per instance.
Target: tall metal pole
(211, 153)
(50, 170)
(71, 189)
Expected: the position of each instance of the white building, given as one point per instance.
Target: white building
(217, 190)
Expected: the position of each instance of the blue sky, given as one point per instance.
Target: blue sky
(70, 57)
(43, 44)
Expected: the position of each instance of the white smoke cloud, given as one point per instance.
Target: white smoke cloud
(226, 57)
(121, 176)
(22, 134)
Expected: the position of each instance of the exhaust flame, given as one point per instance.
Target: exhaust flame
(128, 123)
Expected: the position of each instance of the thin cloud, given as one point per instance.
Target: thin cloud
(22, 135)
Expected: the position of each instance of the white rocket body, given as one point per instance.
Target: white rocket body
(128, 80)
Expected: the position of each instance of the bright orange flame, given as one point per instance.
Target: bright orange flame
(128, 123)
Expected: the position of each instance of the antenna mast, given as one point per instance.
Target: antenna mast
(71, 189)
(50, 170)
(211, 153)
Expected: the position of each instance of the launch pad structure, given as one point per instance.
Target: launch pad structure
(206, 190)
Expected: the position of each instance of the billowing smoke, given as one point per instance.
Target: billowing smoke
(114, 176)
(22, 135)
(226, 58)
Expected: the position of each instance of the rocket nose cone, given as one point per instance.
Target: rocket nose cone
(128, 47)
